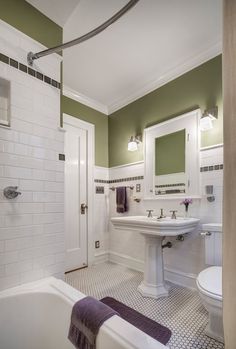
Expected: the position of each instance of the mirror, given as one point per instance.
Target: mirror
(170, 163)
(172, 157)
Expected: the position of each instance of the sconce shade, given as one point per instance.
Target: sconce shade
(206, 121)
(132, 144)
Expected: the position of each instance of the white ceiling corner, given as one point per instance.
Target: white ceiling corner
(155, 42)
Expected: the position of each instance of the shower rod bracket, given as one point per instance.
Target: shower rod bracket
(32, 56)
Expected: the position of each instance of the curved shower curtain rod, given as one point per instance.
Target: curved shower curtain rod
(32, 56)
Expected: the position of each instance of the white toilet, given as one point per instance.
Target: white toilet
(209, 281)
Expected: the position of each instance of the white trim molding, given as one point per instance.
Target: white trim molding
(68, 119)
(172, 74)
(101, 257)
(175, 72)
(175, 276)
(89, 102)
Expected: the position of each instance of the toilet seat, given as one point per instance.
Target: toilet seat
(209, 282)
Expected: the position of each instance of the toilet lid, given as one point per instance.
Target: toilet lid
(210, 280)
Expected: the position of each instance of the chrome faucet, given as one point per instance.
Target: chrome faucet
(149, 213)
(162, 214)
(173, 216)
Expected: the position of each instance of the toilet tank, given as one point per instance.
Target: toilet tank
(213, 243)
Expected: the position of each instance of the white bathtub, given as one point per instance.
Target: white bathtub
(37, 315)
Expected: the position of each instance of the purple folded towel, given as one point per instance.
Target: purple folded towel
(121, 200)
(87, 317)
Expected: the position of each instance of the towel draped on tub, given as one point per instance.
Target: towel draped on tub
(87, 317)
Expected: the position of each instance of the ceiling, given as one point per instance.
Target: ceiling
(156, 41)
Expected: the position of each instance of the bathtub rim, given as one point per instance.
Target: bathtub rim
(130, 336)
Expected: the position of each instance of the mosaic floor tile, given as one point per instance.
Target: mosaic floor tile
(182, 311)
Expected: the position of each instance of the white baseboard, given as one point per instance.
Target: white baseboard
(101, 257)
(126, 261)
(172, 275)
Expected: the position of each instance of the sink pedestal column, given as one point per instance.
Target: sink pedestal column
(153, 284)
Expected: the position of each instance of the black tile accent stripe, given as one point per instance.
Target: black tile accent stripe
(14, 63)
(4, 58)
(212, 168)
(137, 178)
(170, 185)
(22, 67)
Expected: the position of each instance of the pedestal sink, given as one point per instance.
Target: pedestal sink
(154, 231)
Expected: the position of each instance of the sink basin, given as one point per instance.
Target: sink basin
(153, 226)
(154, 231)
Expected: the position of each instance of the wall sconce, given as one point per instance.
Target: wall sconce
(207, 117)
(133, 143)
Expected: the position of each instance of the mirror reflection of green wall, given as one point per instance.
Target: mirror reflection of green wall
(170, 153)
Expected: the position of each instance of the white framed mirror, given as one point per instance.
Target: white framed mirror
(171, 158)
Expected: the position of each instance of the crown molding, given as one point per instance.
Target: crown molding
(89, 102)
(168, 76)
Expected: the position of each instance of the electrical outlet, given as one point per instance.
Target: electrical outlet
(97, 244)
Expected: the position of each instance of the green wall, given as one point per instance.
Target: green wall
(71, 107)
(201, 87)
(170, 153)
(24, 17)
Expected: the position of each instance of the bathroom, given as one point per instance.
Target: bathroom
(79, 128)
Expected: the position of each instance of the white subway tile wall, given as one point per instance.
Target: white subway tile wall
(32, 242)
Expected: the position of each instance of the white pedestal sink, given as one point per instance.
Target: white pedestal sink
(154, 231)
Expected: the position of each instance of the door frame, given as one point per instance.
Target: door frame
(73, 121)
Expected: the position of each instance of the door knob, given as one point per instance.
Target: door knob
(83, 208)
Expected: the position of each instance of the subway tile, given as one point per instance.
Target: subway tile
(18, 244)
(8, 257)
(2, 246)
(42, 262)
(17, 172)
(44, 197)
(54, 207)
(54, 186)
(30, 185)
(48, 218)
(30, 276)
(53, 228)
(20, 267)
(18, 220)
(9, 281)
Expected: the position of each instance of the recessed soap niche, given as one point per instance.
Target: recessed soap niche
(4, 102)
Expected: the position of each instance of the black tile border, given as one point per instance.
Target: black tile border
(108, 181)
(212, 168)
(170, 185)
(28, 70)
(137, 178)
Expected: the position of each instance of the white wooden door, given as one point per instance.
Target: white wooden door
(76, 194)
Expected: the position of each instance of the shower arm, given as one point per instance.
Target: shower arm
(32, 56)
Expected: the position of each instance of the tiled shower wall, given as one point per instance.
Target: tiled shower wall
(32, 225)
(185, 259)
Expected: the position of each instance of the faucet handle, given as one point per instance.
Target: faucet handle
(173, 216)
(149, 213)
(161, 214)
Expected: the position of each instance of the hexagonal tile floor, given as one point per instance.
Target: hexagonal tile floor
(182, 311)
